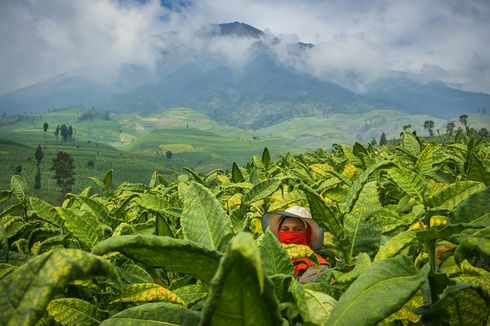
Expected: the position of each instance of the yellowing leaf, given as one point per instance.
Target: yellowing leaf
(349, 171)
(234, 200)
(147, 292)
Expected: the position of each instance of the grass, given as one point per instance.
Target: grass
(134, 145)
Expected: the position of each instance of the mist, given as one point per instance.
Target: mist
(355, 43)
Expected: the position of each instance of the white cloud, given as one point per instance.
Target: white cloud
(45, 38)
(442, 39)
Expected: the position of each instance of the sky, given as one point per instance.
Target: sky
(447, 40)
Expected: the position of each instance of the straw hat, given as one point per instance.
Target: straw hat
(273, 219)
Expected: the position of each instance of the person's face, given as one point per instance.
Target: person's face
(293, 224)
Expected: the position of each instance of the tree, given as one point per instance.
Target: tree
(406, 127)
(45, 128)
(18, 169)
(57, 132)
(483, 132)
(374, 142)
(383, 140)
(464, 121)
(429, 125)
(64, 132)
(64, 171)
(37, 180)
(70, 133)
(168, 154)
(450, 128)
(39, 155)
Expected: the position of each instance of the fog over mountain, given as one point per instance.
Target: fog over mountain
(149, 55)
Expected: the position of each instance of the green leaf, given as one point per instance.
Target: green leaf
(192, 293)
(5, 195)
(98, 209)
(476, 245)
(469, 270)
(4, 243)
(262, 190)
(452, 195)
(475, 209)
(194, 174)
(84, 227)
(240, 293)
(13, 225)
(320, 306)
(322, 213)
(107, 180)
(395, 245)
(162, 227)
(73, 311)
(364, 232)
(153, 180)
(97, 182)
(259, 166)
(378, 292)
(359, 182)
(411, 144)
(462, 304)
(6, 269)
(25, 293)
(146, 292)
(132, 273)
(203, 218)
(154, 314)
(444, 233)
(362, 263)
(406, 315)
(424, 162)
(158, 251)
(410, 182)
(477, 170)
(339, 176)
(348, 152)
(274, 257)
(236, 174)
(19, 187)
(151, 202)
(45, 211)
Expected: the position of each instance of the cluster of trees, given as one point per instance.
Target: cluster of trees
(93, 114)
(451, 130)
(65, 131)
(451, 127)
(63, 166)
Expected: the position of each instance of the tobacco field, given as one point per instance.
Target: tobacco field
(407, 232)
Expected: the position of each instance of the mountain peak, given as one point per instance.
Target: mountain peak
(239, 29)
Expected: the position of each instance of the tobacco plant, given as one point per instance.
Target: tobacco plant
(407, 233)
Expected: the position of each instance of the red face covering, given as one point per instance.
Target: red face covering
(296, 237)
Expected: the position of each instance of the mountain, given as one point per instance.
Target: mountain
(238, 29)
(262, 94)
(259, 93)
(405, 92)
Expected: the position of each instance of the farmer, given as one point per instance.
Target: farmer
(296, 226)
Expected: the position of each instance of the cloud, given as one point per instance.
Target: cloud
(364, 37)
(356, 42)
(41, 39)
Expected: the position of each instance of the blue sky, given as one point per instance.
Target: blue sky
(447, 40)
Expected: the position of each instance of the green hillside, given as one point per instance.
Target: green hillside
(135, 145)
